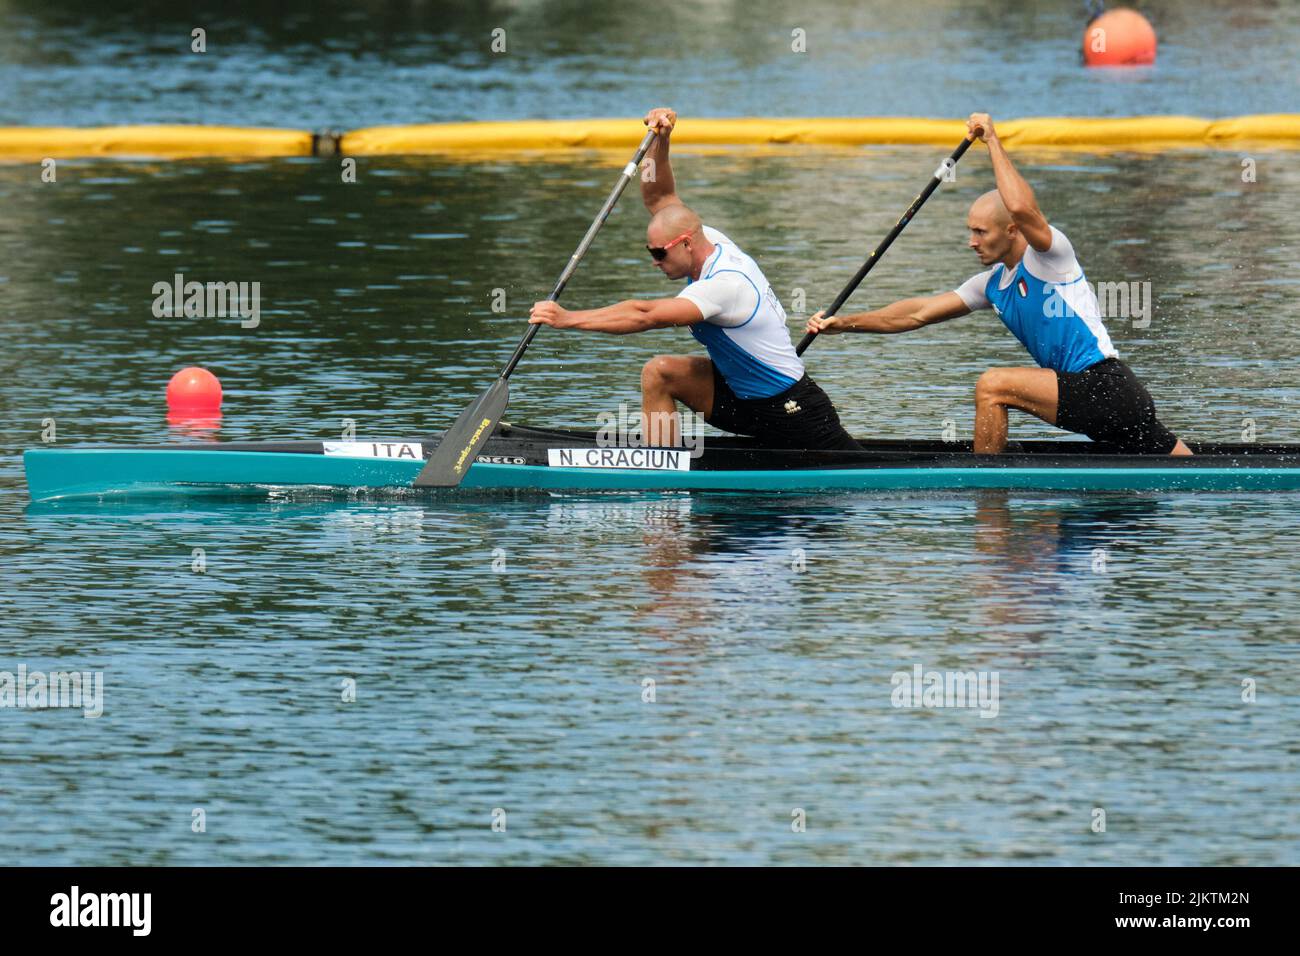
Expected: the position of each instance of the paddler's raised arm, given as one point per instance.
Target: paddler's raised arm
(1017, 195)
(622, 318)
(658, 188)
(902, 316)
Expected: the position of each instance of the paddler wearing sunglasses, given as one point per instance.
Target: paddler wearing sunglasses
(752, 383)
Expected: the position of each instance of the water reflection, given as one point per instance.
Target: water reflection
(194, 427)
(1034, 555)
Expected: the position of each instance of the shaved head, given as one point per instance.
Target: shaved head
(994, 235)
(670, 222)
(683, 256)
(991, 208)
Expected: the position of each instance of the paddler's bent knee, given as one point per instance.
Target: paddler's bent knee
(684, 378)
(993, 387)
(657, 373)
(674, 373)
(1032, 390)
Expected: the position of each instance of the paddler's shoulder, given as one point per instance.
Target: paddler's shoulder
(1057, 263)
(714, 235)
(720, 239)
(725, 250)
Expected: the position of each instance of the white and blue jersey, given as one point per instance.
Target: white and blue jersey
(744, 325)
(1048, 305)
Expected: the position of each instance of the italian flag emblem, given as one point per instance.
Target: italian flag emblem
(1023, 288)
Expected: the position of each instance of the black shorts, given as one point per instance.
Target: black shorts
(1107, 403)
(800, 417)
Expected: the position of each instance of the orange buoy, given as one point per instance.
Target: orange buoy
(194, 391)
(1119, 37)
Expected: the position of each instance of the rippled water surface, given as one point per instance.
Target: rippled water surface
(1121, 627)
(501, 647)
(350, 63)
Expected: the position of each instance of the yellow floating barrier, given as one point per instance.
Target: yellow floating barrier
(620, 133)
(1282, 130)
(1085, 133)
(161, 142)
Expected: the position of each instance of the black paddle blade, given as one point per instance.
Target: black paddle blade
(461, 443)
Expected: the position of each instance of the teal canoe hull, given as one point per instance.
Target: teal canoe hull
(67, 473)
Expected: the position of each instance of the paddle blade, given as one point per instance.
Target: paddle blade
(461, 443)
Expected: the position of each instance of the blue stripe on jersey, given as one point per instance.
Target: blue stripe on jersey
(711, 264)
(747, 376)
(1055, 335)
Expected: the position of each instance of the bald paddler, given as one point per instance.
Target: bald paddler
(752, 382)
(1038, 289)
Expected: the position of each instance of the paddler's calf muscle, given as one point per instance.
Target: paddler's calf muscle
(666, 380)
(1029, 389)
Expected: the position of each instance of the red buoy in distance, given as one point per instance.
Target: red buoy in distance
(194, 391)
(1119, 37)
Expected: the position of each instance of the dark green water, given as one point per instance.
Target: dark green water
(770, 626)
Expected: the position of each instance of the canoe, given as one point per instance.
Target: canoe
(536, 459)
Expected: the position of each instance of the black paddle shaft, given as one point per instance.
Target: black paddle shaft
(461, 443)
(899, 226)
(629, 171)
